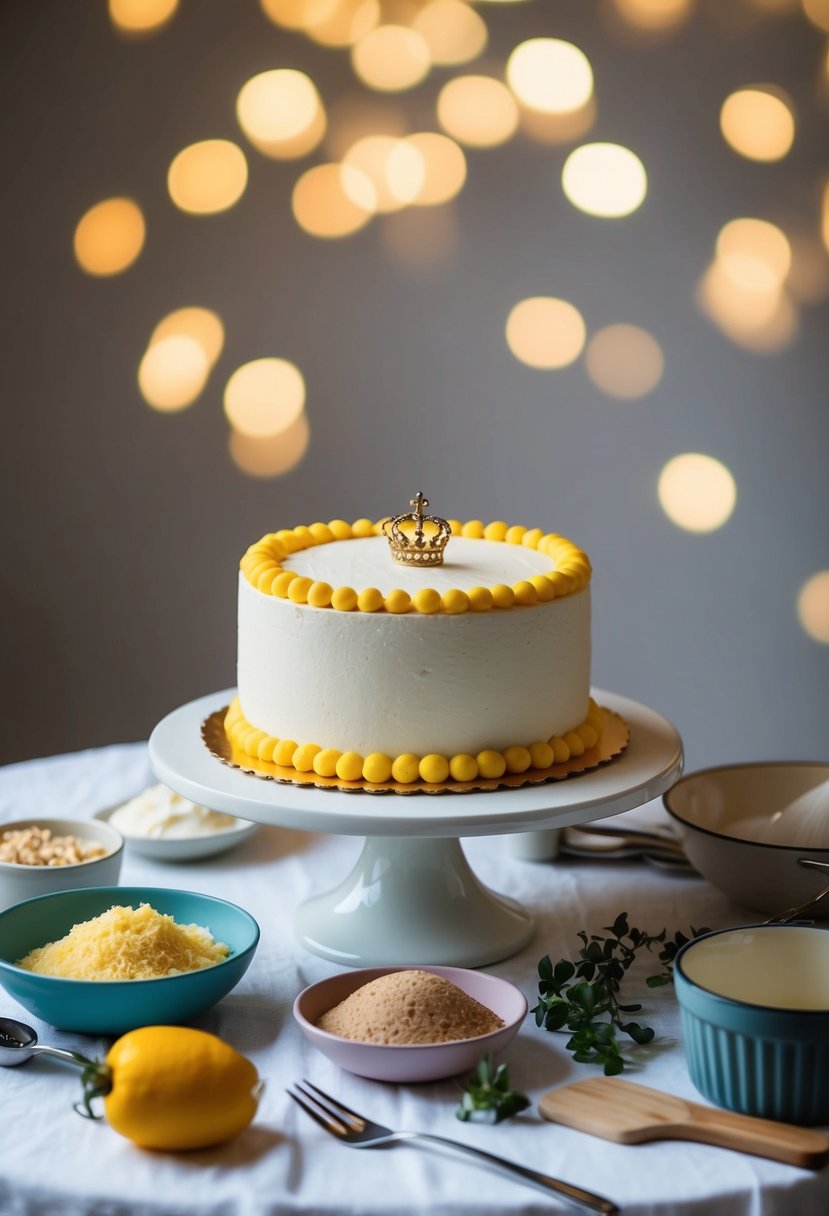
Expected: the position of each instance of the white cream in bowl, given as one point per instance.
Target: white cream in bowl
(160, 813)
(777, 966)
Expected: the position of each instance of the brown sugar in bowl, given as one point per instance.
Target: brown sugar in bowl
(408, 1062)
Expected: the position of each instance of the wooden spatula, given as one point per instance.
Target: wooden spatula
(630, 1114)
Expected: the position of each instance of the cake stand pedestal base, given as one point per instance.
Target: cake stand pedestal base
(412, 901)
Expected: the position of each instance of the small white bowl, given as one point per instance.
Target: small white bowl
(19, 882)
(721, 815)
(185, 848)
(418, 1061)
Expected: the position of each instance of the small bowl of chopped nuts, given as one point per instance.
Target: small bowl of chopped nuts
(44, 855)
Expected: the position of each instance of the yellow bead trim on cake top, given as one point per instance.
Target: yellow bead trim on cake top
(377, 768)
(266, 566)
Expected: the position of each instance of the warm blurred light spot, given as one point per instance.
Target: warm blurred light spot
(453, 31)
(200, 324)
(813, 606)
(550, 75)
(758, 123)
(394, 167)
(624, 360)
(287, 13)
(208, 177)
(444, 168)
(172, 373)
(333, 200)
(545, 332)
(697, 492)
(559, 128)
(761, 321)
(281, 113)
(605, 180)
(341, 22)
(265, 397)
(420, 240)
(654, 15)
(391, 58)
(141, 16)
(352, 117)
(109, 236)
(808, 278)
(818, 13)
(477, 110)
(273, 456)
(824, 217)
(755, 254)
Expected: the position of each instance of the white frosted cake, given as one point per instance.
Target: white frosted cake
(351, 665)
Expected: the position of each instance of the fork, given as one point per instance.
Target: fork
(359, 1132)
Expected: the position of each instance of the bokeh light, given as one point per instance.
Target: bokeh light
(760, 321)
(654, 15)
(333, 200)
(281, 113)
(477, 110)
(453, 31)
(813, 606)
(201, 324)
(755, 254)
(808, 277)
(545, 332)
(341, 23)
(173, 373)
(208, 177)
(422, 240)
(758, 122)
(391, 58)
(394, 167)
(354, 116)
(109, 236)
(624, 361)
(444, 168)
(818, 13)
(273, 456)
(550, 75)
(141, 16)
(559, 128)
(605, 180)
(265, 397)
(824, 215)
(697, 492)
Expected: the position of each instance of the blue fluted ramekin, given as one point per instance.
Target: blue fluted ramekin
(746, 1050)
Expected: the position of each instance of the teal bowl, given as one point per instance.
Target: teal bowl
(116, 1006)
(754, 1007)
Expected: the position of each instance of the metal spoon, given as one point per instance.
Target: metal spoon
(792, 913)
(18, 1043)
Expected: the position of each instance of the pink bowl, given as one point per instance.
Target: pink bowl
(421, 1061)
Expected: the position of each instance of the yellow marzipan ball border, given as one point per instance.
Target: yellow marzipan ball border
(377, 768)
(264, 567)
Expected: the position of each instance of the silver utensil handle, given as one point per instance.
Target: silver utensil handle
(564, 1190)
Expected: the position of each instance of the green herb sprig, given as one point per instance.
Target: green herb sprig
(583, 996)
(488, 1097)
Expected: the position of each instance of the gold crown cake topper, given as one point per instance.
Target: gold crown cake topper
(417, 539)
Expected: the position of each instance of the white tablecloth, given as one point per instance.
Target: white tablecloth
(53, 1161)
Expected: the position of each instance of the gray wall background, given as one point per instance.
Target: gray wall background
(122, 527)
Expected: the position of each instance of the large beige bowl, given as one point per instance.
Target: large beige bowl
(722, 814)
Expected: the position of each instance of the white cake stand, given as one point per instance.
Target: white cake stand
(412, 896)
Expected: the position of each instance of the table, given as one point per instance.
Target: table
(53, 1161)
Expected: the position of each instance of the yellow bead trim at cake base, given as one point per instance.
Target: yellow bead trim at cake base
(377, 768)
(264, 567)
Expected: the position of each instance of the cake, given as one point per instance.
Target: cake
(413, 650)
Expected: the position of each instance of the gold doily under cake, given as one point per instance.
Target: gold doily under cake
(613, 741)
